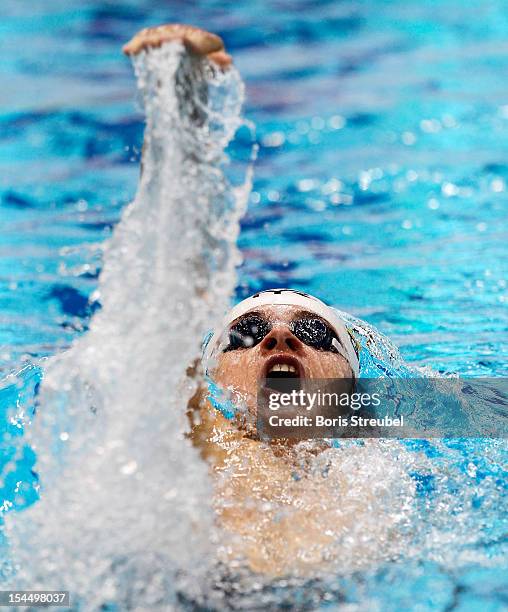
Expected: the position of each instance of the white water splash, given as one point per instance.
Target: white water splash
(124, 513)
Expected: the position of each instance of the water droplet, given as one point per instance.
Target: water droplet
(471, 470)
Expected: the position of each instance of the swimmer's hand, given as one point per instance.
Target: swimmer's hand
(197, 41)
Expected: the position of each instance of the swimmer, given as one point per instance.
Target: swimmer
(283, 507)
(287, 506)
(284, 334)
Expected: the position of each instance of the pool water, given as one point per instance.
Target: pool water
(380, 186)
(380, 182)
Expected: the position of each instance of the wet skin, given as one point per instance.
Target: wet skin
(198, 42)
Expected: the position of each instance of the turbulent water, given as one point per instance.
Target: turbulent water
(124, 513)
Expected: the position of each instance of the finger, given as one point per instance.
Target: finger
(221, 58)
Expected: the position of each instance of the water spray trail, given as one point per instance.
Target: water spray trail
(123, 513)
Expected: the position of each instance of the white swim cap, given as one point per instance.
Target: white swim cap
(290, 297)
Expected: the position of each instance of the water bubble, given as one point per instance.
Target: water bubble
(364, 180)
(337, 122)
(449, 190)
(275, 139)
(306, 185)
(497, 185)
(408, 138)
(317, 205)
(331, 186)
(430, 126)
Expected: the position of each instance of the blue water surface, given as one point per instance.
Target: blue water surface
(380, 186)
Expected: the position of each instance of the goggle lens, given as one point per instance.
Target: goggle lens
(248, 332)
(314, 332)
(251, 329)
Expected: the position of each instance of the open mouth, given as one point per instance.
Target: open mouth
(282, 372)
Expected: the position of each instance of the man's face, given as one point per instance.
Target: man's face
(282, 341)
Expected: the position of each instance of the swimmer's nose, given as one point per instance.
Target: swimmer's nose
(280, 338)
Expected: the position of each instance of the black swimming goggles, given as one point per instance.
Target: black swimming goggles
(250, 329)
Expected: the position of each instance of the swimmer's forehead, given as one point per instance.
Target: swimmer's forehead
(279, 312)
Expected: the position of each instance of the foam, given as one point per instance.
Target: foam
(124, 513)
